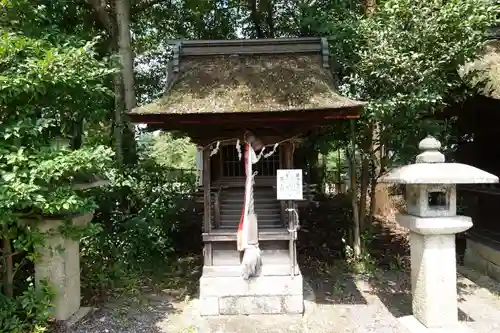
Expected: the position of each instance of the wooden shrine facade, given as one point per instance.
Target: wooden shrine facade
(218, 91)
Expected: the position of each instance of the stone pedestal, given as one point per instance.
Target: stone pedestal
(224, 292)
(433, 268)
(59, 264)
(433, 279)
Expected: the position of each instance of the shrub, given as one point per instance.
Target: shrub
(26, 312)
(145, 216)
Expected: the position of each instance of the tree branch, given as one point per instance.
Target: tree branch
(254, 16)
(370, 7)
(142, 5)
(99, 7)
(270, 18)
(8, 276)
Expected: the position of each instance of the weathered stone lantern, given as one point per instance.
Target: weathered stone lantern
(431, 218)
(58, 261)
(59, 264)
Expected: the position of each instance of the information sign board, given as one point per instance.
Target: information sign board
(289, 184)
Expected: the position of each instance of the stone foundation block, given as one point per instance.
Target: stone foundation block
(266, 294)
(259, 304)
(263, 285)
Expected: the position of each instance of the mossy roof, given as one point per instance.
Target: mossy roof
(249, 83)
(484, 71)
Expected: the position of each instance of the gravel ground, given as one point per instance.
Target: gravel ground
(335, 301)
(342, 303)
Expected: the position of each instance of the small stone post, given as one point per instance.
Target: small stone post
(59, 264)
(431, 199)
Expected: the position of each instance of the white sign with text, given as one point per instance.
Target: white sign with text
(289, 184)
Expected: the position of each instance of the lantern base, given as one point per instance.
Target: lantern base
(433, 268)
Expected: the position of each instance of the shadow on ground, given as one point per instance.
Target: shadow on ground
(329, 284)
(480, 281)
(393, 288)
(391, 283)
(320, 247)
(150, 306)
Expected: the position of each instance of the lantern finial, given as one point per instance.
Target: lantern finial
(430, 151)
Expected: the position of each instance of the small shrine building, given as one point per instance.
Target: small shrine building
(224, 94)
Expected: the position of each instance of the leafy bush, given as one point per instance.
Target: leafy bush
(146, 215)
(47, 92)
(26, 312)
(324, 225)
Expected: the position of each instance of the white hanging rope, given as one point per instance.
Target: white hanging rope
(262, 153)
(238, 149)
(216, 149)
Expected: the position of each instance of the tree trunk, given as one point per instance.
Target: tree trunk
(255, 17)
(77, 135)
(356, 235)
(363, 191)
(373, 196)
(9, 266)
(125, 51)
(271, 30)
(122, 8)
(379, 198)
(370, 7)
(118, 119)
(365, 175)
(372, 136)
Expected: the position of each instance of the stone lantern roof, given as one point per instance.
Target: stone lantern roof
(430, 168)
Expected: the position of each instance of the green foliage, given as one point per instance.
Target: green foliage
(27, 311)
(56, 101)
(169, 151)
(47, 91)
(336, 159)
(145, 216)
(365, 263)
(403, 61)
(41, 85)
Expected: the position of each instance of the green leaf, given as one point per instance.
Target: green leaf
(8, 176)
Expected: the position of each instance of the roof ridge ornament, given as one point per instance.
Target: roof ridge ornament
(430, 147)
(173, 65)
(176, 51)
(325, 52)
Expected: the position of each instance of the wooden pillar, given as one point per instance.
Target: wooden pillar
(284, 213)
(217, 209)
(207, 209)
(288, 164)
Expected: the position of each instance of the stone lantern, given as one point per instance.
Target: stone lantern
(431, 199)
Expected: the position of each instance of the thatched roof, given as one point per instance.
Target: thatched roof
(238, 81)
(484, 72)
